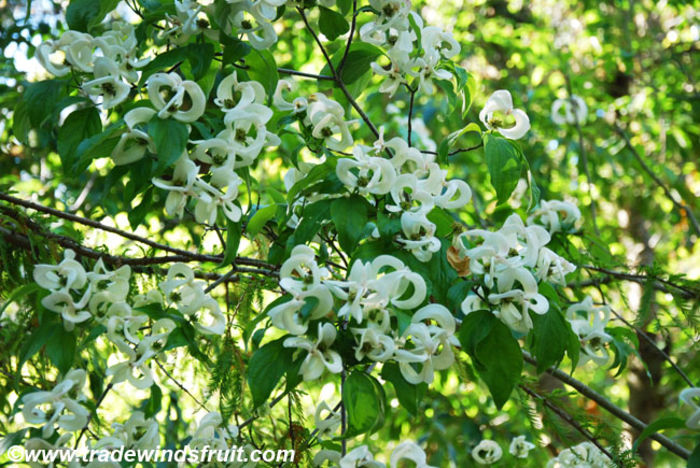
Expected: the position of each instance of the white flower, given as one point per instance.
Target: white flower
(231, 93)
(134, 143)
(574, 110)
(418, 235)
(359, 457)
(257, 28)
(408, 451)
(436, 43)
(108, 83)
(320, 357)
(211, 432)
(180, 186)
(79, 50)
(368, 174)
(502, 102)
(690, 397)
(52, 58)
(555, 216)
(588, 322)
(487, 452)
(299, 104)
(167, 93)
(326, 420)
(58, 406)
(431, 344)
(519, 447)
(67, 275)
(326, 118)
(181, 288)
(514, 303)
(584, 454)
(552, 267)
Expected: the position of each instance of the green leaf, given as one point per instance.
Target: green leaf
(495, 353)
(365, 403)
(694, 459)
(40, 99)
(259, 219)
(332, 24)
(263, 68)
(671, 422)
(233, 239)
(443, 221)
(550, 338)
(234, 49)
(61, 349)
(170, 139)
(199, 58)
(266, 367)
(350, 217)
(344, 5)
(162, 62)
(316, 174)
(39, 337)
(409, 395)
(152, 405)
(505, 163)
(357, 63)
(82, 15)
(78, 126)
(96, 146)
(313, 217)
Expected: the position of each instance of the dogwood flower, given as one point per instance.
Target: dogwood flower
(231, 93)
(326, 420)
(256, 27)
(108, 83)
(555, 216)
(487, 452)
(134, 143)
(359, 457)
(67, 275)
(501, 102)
(137, 432)
(326, 118)
(408, 450)
(520, 447)
(583, 454)
(320, 357)
(298, 105)
(419, 235)
(572, 110)
(514, 303)
(167, 92)
(368, 174)
(181, 186)
(212, 433)
(690, 397)
(588, 322)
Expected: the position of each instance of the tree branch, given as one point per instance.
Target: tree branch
(606, 404)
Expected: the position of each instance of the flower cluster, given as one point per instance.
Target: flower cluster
(414, 184)
(583, 454)
(510, 262)
(369, 297)
(101, 295)
(588, 322)
(488, 452)
(414, 50)
(60, 406)
(555, 216)
(321, 117)
(111, 58)
(238, 145)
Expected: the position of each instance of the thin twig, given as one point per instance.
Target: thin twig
(606, 404)
(89, 418)
(180, 385)
(568, 419)
(678, 204)
(352, 33)
(130, 235)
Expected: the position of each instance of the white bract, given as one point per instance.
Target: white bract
(487, 452)
(570, 111)
(691, 398)
(500, 106)
(588, 322)
(584, 454)
(520, 447)
(320, 357)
